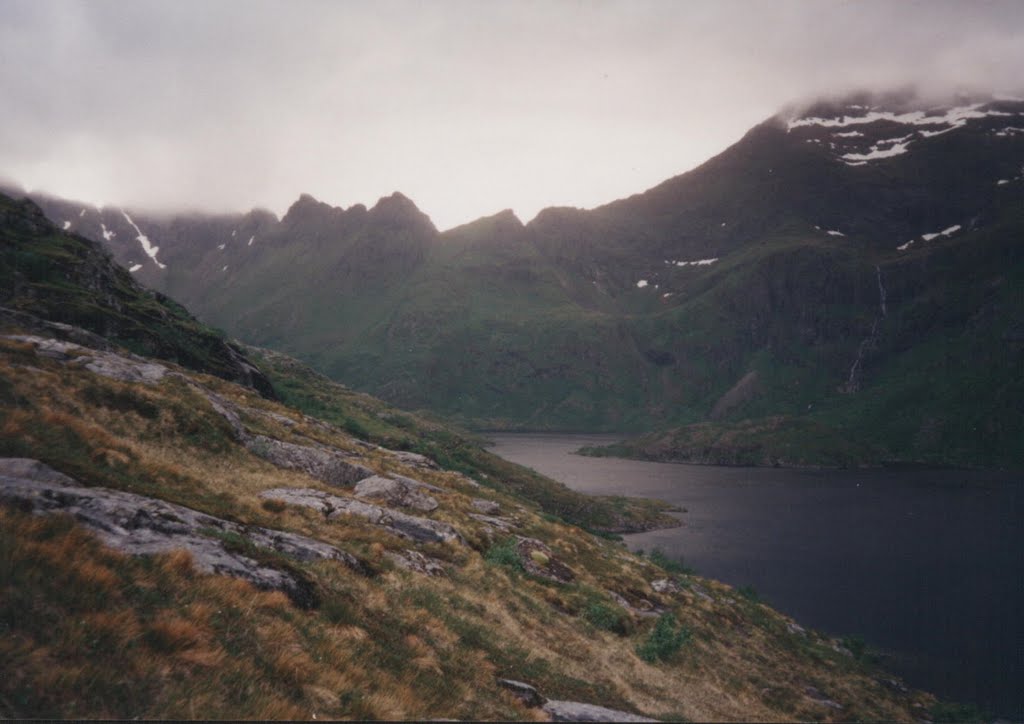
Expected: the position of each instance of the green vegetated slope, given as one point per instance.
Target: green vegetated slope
(602, 320)
(939, 379)
(68, 279)
(408, 605)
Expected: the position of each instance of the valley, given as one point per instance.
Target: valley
(284, 506)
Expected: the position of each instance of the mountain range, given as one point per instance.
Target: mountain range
(192, 529)
(842, 286)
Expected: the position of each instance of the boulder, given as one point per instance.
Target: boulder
(400, 491)
(487, 507)
(551, 568)
(665, 585)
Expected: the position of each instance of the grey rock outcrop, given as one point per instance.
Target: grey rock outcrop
(326, 464)
(538, 559)
(487, 507)
(495, 524)
(417, 562)
(140, 525)
(576, 711)
(523, 691)
(401, 524)
(413, 460)
(109, 364)
(401, 491)
(665, 585)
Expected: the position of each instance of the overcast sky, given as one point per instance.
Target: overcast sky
(466, 107)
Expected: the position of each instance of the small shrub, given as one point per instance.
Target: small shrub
(953, 712)
(750, 593)
(504, 554)
(664, 640)
(606, 617)
(670, 565)
(855, 645)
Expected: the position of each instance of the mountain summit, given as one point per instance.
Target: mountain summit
(845, 268)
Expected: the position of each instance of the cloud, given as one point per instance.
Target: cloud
(466, 107)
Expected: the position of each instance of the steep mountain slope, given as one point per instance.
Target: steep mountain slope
(68, 279)
(175, 545)
(829, 259)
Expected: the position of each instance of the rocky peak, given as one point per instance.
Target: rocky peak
(398, 210)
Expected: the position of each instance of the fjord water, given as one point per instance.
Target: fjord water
(925, 565)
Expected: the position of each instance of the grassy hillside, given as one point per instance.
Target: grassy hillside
(93, 632)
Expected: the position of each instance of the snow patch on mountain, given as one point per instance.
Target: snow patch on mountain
(151, 251)
(833, 232)
(877, 152)
(134, 267)
(696, 262)
(947, 232)
(67, 225)
(955, 117)
(641, 284)
(107, 234)
(251, 238)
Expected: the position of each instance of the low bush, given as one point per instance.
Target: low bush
(664, 640)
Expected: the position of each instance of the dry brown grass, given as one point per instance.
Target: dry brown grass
(156, 638)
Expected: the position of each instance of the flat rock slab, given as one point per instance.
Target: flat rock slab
(325, 464)
(140, 525)
(576, 711)
(401, 524)
(400, 491)
(413, 460)
(108, 364)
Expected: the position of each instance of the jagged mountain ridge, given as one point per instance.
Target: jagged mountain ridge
(770, 258)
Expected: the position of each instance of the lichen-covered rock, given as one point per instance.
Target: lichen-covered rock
(417, 562)
(496, 523)
(551, 568)
(577, 711)
(400, 491)
(487, 507)
(665, 585)
(401, 524)
(108, 364)
(413, 460)
(140, 525)
(326, 464)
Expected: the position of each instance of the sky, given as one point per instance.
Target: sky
(468, 107)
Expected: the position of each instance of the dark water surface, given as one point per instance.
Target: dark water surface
(927, 566)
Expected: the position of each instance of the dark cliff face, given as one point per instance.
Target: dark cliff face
(61, 277)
